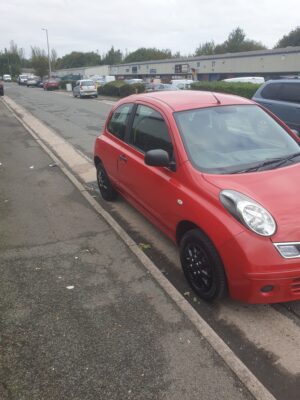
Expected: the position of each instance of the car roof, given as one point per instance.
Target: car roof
(188, 99)
(285, 80)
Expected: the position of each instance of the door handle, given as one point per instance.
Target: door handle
(123, 157)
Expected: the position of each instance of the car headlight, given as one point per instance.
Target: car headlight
(250, 213)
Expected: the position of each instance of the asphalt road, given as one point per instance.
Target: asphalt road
(266, 338)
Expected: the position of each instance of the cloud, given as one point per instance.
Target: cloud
(179, 26)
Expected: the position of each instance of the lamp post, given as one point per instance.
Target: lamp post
(45, 29)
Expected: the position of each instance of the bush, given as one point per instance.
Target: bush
(237, 88)
(120, 89)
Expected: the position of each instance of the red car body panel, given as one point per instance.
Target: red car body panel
(251, 261)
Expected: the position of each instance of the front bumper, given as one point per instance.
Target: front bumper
(254, 266)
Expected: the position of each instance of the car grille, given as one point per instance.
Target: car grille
(295, 286)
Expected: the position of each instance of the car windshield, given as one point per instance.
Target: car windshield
(87, 83)
(231, 139)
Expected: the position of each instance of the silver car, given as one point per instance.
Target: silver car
(85, 88)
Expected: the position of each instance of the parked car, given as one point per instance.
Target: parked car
(51, 84)
(158, 87)
(85, 88)
(182, 83)
(282, 97)
(1, 87)
(6, 78)
(33, 81)
(133, 81)
(246, 79)
(219, 175)
(22, 79)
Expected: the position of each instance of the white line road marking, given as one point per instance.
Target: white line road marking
(50, 142)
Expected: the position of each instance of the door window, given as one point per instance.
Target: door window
(149, 131)
(271, 91)
(118, 122)
(290, 92)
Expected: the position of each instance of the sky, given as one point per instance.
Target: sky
(179, 25)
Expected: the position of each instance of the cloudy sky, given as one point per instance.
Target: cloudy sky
(96, 25)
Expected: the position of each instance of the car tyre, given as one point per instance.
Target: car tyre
(106, 189)
(202, 266)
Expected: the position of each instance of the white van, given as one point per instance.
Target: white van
(182, 83)
(7, 78)
(246, 79)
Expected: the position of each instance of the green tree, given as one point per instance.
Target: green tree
(112, 57)
(237, 42)
(144, 54)
(10, 60)
(78, 59)
(291, 39)
(205, 49)
(39, 61)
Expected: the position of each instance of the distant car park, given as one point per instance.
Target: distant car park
(85, 88)
(282, 97)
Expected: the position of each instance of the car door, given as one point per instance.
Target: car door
(154, 190)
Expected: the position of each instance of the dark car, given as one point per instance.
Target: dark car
(1, 88)
(219, 175)
(281, 97)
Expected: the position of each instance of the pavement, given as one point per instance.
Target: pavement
(81, 317)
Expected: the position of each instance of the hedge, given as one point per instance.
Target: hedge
(120, 89)
(237, 88)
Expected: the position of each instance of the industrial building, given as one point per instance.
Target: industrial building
(267, 63)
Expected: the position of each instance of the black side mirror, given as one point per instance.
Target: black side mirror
(159, 158)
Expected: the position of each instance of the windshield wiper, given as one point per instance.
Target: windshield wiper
(277, 161)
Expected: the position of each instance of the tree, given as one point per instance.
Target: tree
(112, 57)
(237, 42)
(291, 39)
(39, 61)
(53, 58)
(206, 49)
(78, 59)
(144, 54)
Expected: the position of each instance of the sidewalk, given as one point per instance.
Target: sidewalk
(80, 316)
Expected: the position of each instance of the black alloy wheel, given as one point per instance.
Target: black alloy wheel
(106, 189)
(202, 266)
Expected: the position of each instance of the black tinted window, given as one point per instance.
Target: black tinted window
(150, 131)
(271, 91)
(118, 121)
(290, 92)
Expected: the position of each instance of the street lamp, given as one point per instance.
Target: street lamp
(45, 29)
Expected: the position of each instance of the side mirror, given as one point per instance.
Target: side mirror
(159, 158)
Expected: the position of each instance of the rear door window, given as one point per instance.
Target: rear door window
(290, 92)
(271, 91)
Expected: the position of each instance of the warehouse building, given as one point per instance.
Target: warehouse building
(267, 63)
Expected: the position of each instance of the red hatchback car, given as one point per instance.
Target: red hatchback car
(220, 176)
(51, 84)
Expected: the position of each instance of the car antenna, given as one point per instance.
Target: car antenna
(218, 101)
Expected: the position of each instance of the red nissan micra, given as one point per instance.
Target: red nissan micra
(220, 176)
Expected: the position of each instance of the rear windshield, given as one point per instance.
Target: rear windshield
(228, 139)
(87, 83)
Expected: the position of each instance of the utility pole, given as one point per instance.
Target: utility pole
(45, 29)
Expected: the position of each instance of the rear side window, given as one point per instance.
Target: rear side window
(118, 122)
(149, 131)
(271, 91)
(290, 92)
